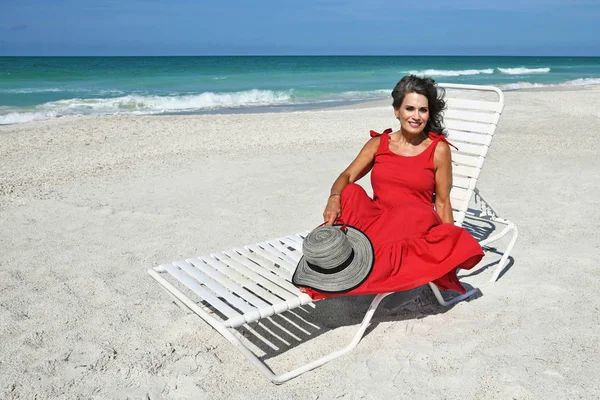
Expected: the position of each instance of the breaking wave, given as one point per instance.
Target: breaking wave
(180, 103)
(484, 71)
(443, 72)
(58, 90)
(20, 117)
(529, 85)
(138, 105)
(524, 71)
(143, 104)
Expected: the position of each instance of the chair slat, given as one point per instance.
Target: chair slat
(217, 288)
(228, 282)
(463, 159)
(458, 193)
(203, 293)
(459, 217)
(295, 240)
(294, 255)
(470, 148)
(459, 204)
(473, 105)
(245, 277)
(463, 115)
(277, 256)
(267, 261)
(460, 198)
(273, 274)
(292, 243)
(464, 170)
(469, 137)
(465, 126)
(271, 282)
(274, 258)
(463, 182)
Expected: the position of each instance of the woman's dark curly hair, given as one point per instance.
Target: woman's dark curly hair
(428, 88)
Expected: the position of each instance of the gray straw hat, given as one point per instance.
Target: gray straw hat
(334, 261)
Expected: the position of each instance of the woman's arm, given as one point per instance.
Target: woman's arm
(442, 159)
(356, 170)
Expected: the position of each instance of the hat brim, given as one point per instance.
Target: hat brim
(345, 280)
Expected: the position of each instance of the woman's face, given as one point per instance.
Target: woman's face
(413, 113)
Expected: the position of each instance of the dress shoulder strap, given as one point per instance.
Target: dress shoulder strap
(384, 139)
(375, 134)
(436, 137)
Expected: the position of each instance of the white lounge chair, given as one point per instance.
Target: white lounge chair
(236, 287)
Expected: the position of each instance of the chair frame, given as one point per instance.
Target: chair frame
(267, 267)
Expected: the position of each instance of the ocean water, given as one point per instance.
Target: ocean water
(33, 88)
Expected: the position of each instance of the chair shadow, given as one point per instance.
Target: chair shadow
(510, 262)
(481, 230)
(282, 332)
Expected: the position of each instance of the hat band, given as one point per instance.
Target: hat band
(328, 271)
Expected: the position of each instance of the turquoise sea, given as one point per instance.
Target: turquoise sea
(33, 88)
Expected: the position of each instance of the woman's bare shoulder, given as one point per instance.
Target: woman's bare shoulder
(372, 144)
(442, 154)
(442, 148)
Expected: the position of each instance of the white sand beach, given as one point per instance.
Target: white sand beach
(87, 205)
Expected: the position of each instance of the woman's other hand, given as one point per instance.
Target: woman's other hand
(333, 209)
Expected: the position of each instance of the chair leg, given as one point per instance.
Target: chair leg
(504, 259)
(278, 379)
(509, 226)
(440, 298)
(229, 334)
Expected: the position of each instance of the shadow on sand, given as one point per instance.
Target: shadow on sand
(280, 333)
(482, 230)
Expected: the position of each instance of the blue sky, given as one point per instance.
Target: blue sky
(316, 27)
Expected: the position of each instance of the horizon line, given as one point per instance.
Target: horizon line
(300, 55)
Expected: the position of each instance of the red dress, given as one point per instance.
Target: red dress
(412, 246)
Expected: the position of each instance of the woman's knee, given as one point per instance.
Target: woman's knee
(352, 189)
(353, 193)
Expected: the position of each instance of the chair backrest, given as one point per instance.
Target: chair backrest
(470, 120)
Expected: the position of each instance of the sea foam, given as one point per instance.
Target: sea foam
(444, 72)
(21, 117)
(176, 103)
(137, 104)
(179, 103)
(30, 90)
(529, 85)
(484, 71)
(524, 71)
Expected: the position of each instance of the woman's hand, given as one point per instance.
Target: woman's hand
(333, 209)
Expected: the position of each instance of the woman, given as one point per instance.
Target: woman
(413, 235)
